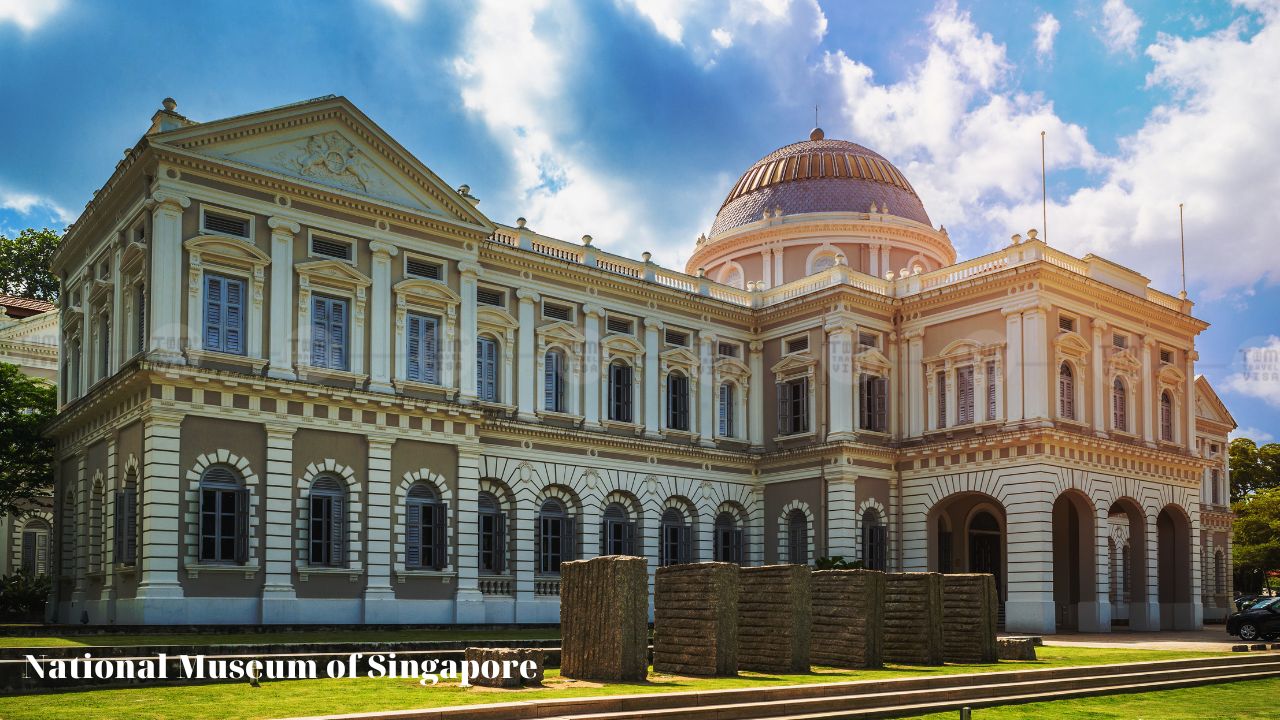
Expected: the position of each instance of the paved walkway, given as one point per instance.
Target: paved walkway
(1211, 638)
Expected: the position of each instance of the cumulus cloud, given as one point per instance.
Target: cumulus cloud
(1258, 436)
(29, 15)
(1257, 371)
(1119, 28)
(1046, 29)
(708, 27)
(404, 9)
(25, 203)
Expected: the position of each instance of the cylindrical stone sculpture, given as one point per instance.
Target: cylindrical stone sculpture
(695, 619)
(913, 618)
(848, 618)
(604, 618)
(774, 619)
(969, 617)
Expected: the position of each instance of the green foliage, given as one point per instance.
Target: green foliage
(837, 562)
(1256, 542)
(27, 404)
(22, 596)
(1253, 468)
(25, 262)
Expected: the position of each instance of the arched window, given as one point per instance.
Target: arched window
(487, 369)
(1119, 406)
(621, 408)
(557, 540)
(327, 502)
(797, 538)
(1066, 392)
(824, 261)
(676, 546)
(678, 401)
(224, 517)
(425, 542)
(492, 523)
(553, 381)
(617, 531)
(1166, 417)
(728, 539)
(35, 548)
(874, 552)
(728, 410)
(125, 537)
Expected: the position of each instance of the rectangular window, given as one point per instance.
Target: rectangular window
(677, 402)
(620, 325)
(617, 537)
(423, 268)
(553, 382)
(728, 411)
(422, 343)
(940, 383)
(329, 333)
(556, 542)
(224, 314)
(793, 407)
(490, 297)
(1120, 341)
(797, 344)
(126, 526)
(328, 521)
(964, 395)
(676, 337)
(1066, 323)
(487, 369)
(330, 248)
(226, 224)
(991, 390)
(873, 403)
(1166, 356)
(35, 552)
(552, 311)
(425, 541)
(223, 524)
(620, 392)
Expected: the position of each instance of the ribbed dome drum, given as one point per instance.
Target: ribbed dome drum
(819, 175)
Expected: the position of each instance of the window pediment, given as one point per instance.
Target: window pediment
(1171, 376)
(619, 344)
(332, 273)
(1071, 344)
(727, 367)
(425, 292)
(222, 250)
(794, 365)
(1124, 362)
(495, 318)
(561, 332)
(134, 258)
(872, 358)
(678, 357)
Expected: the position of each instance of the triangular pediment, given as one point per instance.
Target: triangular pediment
(562, 331)
(619, 342)
(495, 317)
(228, 249)
(334, 271)
(679, 356)
(427, 289)
(791, 363)
(872, 356)
(1209, 406)
(731, 366)
(326, 142)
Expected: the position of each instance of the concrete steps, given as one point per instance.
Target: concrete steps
(872, 698)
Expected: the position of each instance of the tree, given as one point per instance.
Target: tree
(25, 262)
(27, 404)
(1253, 468)
(1256, 540)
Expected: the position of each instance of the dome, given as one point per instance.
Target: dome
(818, 175)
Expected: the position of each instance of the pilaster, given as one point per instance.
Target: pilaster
(165, 338)
(652, 379)
(1035, 350)
(278, 596)
(1099, 380)
(526, 356)
(468, 373)
(281, 337)
(842, 515)
(380, 346)
(469, 602)
(379, 597)
(159, 591)
(591, 371)
(755, 404)
(1148, 391)
(841, 399)
(707, 391)
(1013, 365)
(1189, 401)
(914, 378)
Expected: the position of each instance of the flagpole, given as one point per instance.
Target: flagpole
(1182, 235)
(1044, 194)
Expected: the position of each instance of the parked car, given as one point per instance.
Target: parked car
(1244, 601)
(1261, 620)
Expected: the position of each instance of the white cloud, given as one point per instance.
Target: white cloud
(25, 203)
(1120, 26)
(708, 27)
(405, 9)
(1258, 436)
(1046, 29)
(28, 14)
(1258, 371)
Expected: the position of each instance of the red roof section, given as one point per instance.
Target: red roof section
(16, 307)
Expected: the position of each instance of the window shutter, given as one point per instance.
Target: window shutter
(42, 553)
(881, 396)
(213, 319)
(551, 370)
(991, 391)
(29, 551)
(724, 410)
(440, 542)
(131, 526)
(784, 416)
(338, 334)
(942, 399)
(539, 542)
(604, 537)
(117, 525)
(319, 332)
(500, 543)
(802, 388)
(233, 330)
(964, 393)
(338, 537)
(739, 545)
(628, 538)
(430, 350)
(487, 369)
(569, 539)
(242, 526)
(142, 318)
(413, 535)
(414, 348)
(686, 545)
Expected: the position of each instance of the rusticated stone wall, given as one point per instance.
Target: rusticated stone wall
(913, 618)
(969, 608)
(774, 618)
(848, 618)
(604, 618)
(695, 619)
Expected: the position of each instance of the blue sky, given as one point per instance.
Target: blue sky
(630, 119)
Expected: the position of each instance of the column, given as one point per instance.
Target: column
(1030, 607)
(842, 515)
(281, 337)
(652, 378)
(87, 338)
(1147, 389)
(591, 371)
(525, 569)
(913, 375)
(80, 566)
(526, 356)
(159, 595)
(778, 278)
(469, 603)
(119, 343)
(468, 373)
(980, 388)
(948, 390)
(766, 267)
(708, 392)
(1013, 364)
(1095, 612)
(884, 260)
(1099, 380)
(380, 347)
(1189, 403)
(873, 260)
(755, 400)
(278, 597)
(895, 386)
(841, 398)
(1035, 352)
(165, 308)
(379, 597)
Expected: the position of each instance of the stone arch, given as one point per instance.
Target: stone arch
(862, 530)
(302, 512)
(1173, 568)
(251, 482)
(784, 529)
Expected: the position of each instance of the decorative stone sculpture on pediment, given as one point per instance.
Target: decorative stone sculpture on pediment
(332, 159)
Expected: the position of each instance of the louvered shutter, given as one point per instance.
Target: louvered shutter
(551, 372)
(413, 535)
(29, 552)
(686, 545)
(991, 391)
(880, 395)
(964, 393)
(1066, 394)
(338, 530)
(131, 526)
(242, 525)
(117, 527)
(440, 542)
(739, 545)
(724, 410)
(338, 334)
(142, 318)
(414, 349)
(604, 537)
(213, 317)
(802, 389)
(784, 416)
(316, 520)
(319, 332)
(430, 350)
(942, 399)
(499, 543)
(569, 539)
(233, 320)
(487, 369)
(42, 553)
(628, 538)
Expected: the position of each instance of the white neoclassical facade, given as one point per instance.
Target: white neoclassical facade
(305, 380)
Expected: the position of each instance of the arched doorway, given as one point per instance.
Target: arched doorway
(1173, 569)
(1142, 613)
(1075, 563)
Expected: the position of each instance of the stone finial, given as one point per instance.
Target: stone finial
(702, 272)
(917, 270)
(942, 229)
(464, 189)
(816, 134)
(169, 104)
(841, 259)
(1016, 239)
(888, 275)
(874, 209)
(521, 222)
(1031, 234)
(586, 240)
(777, 211)
(646, 256)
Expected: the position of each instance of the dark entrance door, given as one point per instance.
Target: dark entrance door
(984, 549)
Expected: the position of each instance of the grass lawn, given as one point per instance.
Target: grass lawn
(1228, 701)
(321, 697)
(262, 638)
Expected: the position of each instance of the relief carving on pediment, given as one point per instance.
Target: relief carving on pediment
(330, 158)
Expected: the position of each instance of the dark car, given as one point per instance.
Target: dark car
(1261, 620)
(1244, 601)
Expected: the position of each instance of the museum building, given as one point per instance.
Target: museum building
(305, 380)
